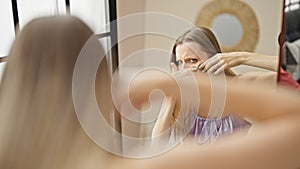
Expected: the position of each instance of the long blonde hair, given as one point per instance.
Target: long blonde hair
(38, 125)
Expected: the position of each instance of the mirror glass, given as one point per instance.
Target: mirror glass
(233, 32)
(240, 25)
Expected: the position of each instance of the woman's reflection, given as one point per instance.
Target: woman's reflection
(198, 50)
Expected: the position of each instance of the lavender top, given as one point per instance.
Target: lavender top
(205, 130)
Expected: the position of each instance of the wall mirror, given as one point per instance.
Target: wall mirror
(240, 25)
(234, 23)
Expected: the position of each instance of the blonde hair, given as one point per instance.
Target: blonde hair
(38, 124)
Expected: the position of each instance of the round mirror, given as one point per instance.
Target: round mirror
(234, 23)
(233, 32)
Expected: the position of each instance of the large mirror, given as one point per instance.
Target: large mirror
(240, 25)
(290, 43)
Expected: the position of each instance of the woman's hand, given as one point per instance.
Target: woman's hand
(222, 61)
(225, 61)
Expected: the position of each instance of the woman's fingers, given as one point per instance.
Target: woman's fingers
(216, 67)
(221, 61)
(211, 62)
(220, 70)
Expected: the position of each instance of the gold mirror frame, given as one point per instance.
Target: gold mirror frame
(244, 14)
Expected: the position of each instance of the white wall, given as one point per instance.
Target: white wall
(268, 12)
(133, 43)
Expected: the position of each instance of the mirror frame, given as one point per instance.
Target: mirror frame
(244, 14)
(280, 41)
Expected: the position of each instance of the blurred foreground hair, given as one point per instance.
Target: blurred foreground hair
(38, 125)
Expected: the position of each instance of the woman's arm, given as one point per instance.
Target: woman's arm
(164, 121)
(254, 100)
(223, 61)
(144, 83)
(246, 104)
(273, 143)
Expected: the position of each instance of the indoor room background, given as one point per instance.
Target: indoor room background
(98, 14)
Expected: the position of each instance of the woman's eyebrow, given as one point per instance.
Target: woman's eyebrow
(192, 57)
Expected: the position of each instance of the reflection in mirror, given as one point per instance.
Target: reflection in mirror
(290, 52)
(233, 32)
(259, 29)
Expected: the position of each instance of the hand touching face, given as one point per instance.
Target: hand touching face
(223, 61)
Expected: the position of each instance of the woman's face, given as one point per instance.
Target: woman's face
(190, 54)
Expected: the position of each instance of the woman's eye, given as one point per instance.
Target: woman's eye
(193, 60)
